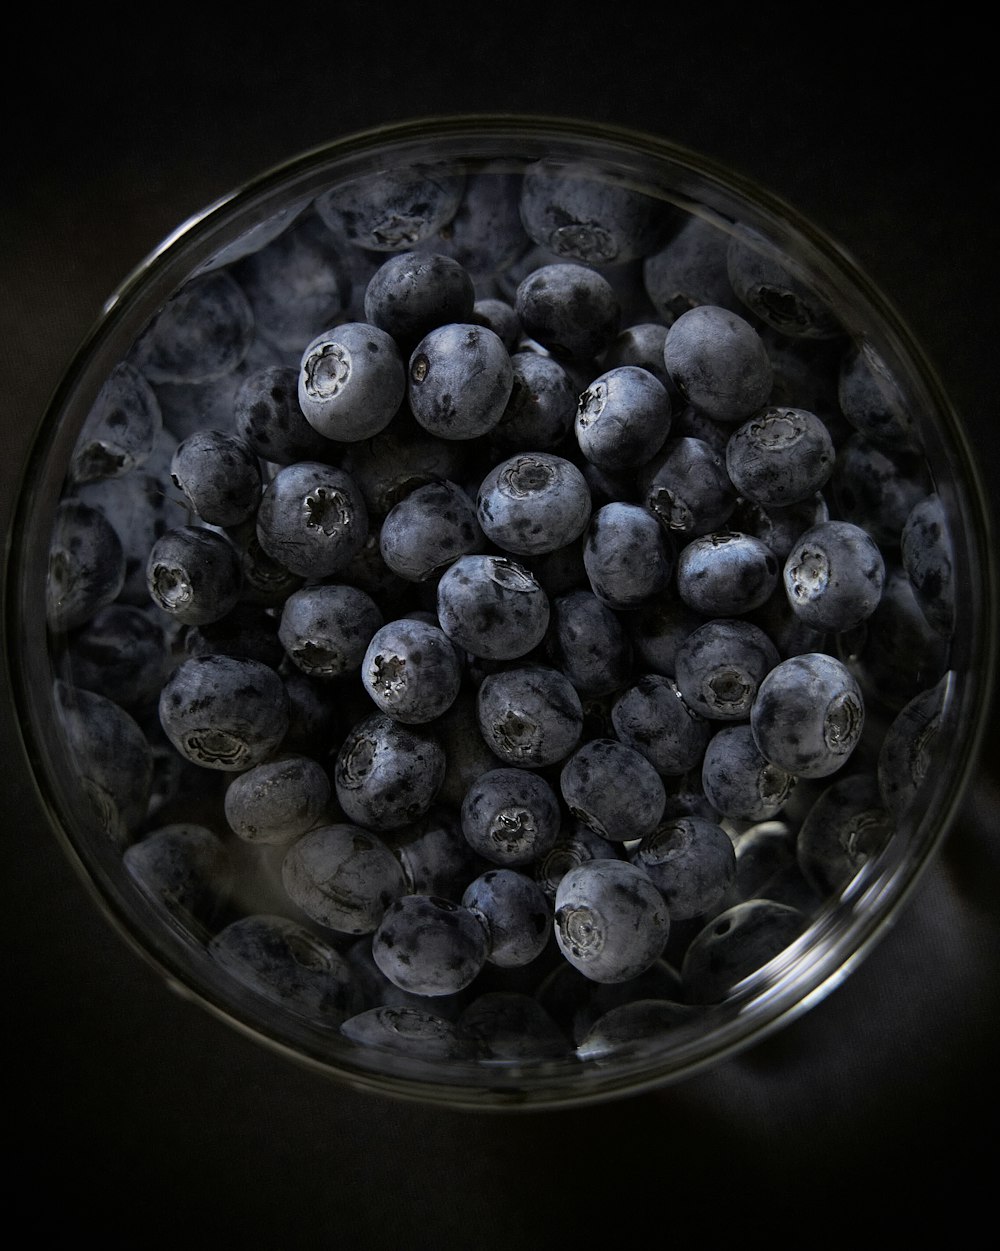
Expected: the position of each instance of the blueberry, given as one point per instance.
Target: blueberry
(413, 292)
(570, 309)
(435, 857)
(735, 944)
(289, 965)
(779, 457)
(194, 574)
(808, 716)
(86, 565)
(402, 458)
(627, 554)
(428, 530)
(511, 1026)
(515, 913)
(718, 362)
(870, 399)
(928, 558)
(485, 234)
(387, 774)
(120, 430)
(510, 816)
(908, 750)
(766, 284)
(720, 666)
(542, 404)
(687, 487)
(690, 270)
(576, 845)
(529, 715)
(876, 488)
(224, 712)
(641, 344)
(203, 332)
(343, 877)
(312, 519)
(779, 528)
(499, 316)
(111, 756)
(588, 643)
(613, 789)
(264, 581)
(834, 576)
(185, 870)
(658, 628)
(297, 284)
(122, 654)
(460, 379)
(739, 781)
(637, 1028)
(492, 607)
(219, 475)
(392, 210)
(611, 922)
(408, 1031)
(352, 380)
(691, 862)
(411, 670)
(623, 418)
(267, 416)
(533, 503)
(576, 215)
(277, 800)
(653, 718)
(429, 946)
(726, 573)
(844, 828)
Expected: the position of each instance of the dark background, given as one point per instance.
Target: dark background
(132, 1116)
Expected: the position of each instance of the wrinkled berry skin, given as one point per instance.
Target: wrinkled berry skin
(224, 712)
(726, 573)
(342, 877)
(460, 380)
(613, 789)
(429, 946)
(691, 862)
(533, 503)
(194, 574)
(352, 380)
(492, 607)
(312, 519)
(834, 576)
(739, 781)
(779, 457)
(530, 716)
(611, 922)
(809, 715)
(325, 628)
(411, 670)
(718, 362)
(510, 816)
(570, 309)
(386, 774)
(514, 911)
(627, 554)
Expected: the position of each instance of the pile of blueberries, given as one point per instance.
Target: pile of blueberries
(494, 608)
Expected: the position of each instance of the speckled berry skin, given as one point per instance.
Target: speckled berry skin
(834, 576)
(613, 789)
(194, 574)
(86, 565)
(325, 628)
(726, 573)
(739, 781)
(687, 488)
(219, 475)
(542, 404)
(277, 800)
(735, 944)
(627, 554)
(692, 862)
(533, 503)
(530, 715)
(809, 715)
(352, 380)
(718, 362)
(623, 418)
(588, 642)
(570, 309)
(412, 292)
(386, 774)
(203, 332)
(510, 816)
(871, 401)
(411, 670)
(927, 556)
(611, 922)
(428, 530)
(780, 456)
(224, 712)
(690, 270)
(429, 946)
(120, 430)
(393, 210)
(267, 416)
(492, 607)
(767, 286)
(184, 869)
(515, 913)
(459, 381)
(342, 876)
(720, 666)
(653, 718)
(877, 487)
(312, 519)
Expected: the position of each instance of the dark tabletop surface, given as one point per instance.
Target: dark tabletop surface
(134, 1117)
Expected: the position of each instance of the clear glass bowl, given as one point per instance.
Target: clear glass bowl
(819, 308)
